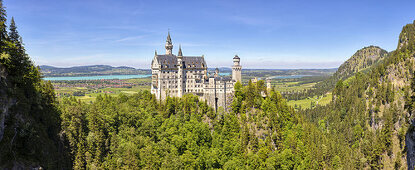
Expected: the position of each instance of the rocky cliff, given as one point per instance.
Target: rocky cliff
(4, 101)
(410, 146)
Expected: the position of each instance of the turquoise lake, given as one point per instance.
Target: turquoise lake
(289, 76)
(106, 77)
(97, 77)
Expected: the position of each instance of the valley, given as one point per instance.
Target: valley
(86, 88)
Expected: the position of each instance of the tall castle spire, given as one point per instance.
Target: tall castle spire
(180, 51)
(169, 45)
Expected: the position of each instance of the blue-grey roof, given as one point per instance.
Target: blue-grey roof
(189, 61)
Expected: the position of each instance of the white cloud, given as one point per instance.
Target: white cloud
(130, 38)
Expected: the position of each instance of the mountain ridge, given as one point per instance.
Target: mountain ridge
(89, 70)
(361, 60)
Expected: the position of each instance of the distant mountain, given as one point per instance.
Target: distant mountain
(50, 71)
(362, 59)
(359, 61)
(221, 69)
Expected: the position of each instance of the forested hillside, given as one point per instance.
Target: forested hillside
(29, 118)
(360, 61)
(371, 112)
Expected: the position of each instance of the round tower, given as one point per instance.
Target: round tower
(236, 69)
(180, 75)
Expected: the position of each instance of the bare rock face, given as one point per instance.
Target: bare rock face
(410, 147)
(407, 37)
(5, 101)
(4, 104)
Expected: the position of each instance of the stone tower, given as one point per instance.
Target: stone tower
(180, 73)
(216, 72)
(236, 69)
(269, 86)
(169, 45)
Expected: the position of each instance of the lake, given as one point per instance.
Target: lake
(97, 77)
(106, 77)
(288, 76)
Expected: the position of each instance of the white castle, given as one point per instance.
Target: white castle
(178, 75)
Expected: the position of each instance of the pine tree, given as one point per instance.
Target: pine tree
(14, 36)
(3, 27)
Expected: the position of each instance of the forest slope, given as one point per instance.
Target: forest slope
(371, 113)
(359, 61)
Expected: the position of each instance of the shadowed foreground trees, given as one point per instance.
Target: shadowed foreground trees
(30, 121)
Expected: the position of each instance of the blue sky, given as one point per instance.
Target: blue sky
(275, 34)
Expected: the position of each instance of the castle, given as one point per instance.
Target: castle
(178, 75)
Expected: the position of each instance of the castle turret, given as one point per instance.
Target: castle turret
(169, 45)
(269, 87)
(236, 69)
(180, 74)
(180, 53)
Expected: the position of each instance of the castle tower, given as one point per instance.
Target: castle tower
(169, 45)
(269, 86)
(236, 69)
(180, 74)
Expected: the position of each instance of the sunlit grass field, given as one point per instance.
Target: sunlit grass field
(281, 85)
(307, 103)
(91, 94)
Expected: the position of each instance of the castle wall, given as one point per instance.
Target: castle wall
(167, 82)
(215, 91)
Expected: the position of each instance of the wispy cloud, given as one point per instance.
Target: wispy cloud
(130, 38)
(128, 28)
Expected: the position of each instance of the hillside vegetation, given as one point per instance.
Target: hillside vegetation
(360, 61)
(29, 118)
(371, 112)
